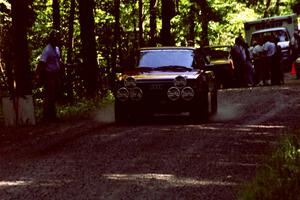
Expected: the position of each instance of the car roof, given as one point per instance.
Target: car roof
(270, 30)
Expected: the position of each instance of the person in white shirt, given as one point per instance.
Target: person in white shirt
(269, 49)
(257, 52)
(49, 71)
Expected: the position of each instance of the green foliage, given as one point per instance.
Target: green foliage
(77, 109)
(224, 26)
(84, 107)
(279, 178)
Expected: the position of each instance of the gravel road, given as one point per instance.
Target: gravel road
(167, 159)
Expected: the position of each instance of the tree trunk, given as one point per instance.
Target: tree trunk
(116, 40)
(21, 67)
(141, 20)
(88, 51)
(268, 3)
(152, 23)
(191, 33)
(71, 31)
(70, 63)
(56, 14)
(205, 12)
(167, 12)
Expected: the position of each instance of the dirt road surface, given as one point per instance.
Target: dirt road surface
(167, 159)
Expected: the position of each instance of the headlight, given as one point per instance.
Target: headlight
(136, 94)
(129, 82)
(122, 94)
(173, 93)
(180, 81)
(187, 93)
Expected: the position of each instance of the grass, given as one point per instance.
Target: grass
(279, 177)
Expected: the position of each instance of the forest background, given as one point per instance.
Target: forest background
(99, 37)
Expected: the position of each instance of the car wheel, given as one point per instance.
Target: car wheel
(121, 113)
(200, 113)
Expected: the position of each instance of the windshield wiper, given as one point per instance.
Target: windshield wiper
(174, 67)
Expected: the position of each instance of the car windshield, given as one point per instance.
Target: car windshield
(166, 58)
(280, 35)
(217, 53)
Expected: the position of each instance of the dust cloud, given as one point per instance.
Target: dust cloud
(106, 114)
(227, 111)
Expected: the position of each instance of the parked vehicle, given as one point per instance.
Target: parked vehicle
(166, 80)
(221, 64)
(282, 27)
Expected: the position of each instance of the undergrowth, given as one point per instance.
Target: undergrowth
(79, 108)
(279, 177)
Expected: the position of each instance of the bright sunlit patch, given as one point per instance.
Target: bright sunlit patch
(14, 183)
(266, 126)
(167, 179)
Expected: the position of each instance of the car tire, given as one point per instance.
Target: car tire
(200, 113)
(121, 113)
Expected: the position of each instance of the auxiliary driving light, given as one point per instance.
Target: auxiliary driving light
(187, 93)
(173, 93)
(180, 81)
(136, 94)
(129, 82)
(122, 94)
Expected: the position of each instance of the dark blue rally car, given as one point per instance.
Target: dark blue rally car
(166, 80)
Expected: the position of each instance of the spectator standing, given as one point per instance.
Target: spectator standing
(238, 56)
(277, 75)
(248, 62)
(49, 72)
(257, 52)
(295, 44)
(269, 49)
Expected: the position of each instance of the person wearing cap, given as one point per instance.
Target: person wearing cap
(48, 73)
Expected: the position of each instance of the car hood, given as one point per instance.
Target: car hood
(162, 75)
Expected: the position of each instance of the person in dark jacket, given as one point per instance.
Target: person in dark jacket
(238, 56)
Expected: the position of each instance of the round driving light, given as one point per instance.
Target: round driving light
(122, 94)
(129, 82)
(173, 93)
(136, 94)
(180, 81)
(187, 93)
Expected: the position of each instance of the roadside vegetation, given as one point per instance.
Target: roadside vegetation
(80, 108)
(279, 177)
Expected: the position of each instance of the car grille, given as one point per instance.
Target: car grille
(156, 87)
(155, 90)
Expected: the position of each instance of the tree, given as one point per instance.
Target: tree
(191, 17)
(267, 9)
(296, 8)
(167, 12)
(88, 51)
(20, 22)
(56, 14)
(153, 11)
(71, 31)
(116, 41)
(141, 20)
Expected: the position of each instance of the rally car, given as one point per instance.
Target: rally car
(166, 80)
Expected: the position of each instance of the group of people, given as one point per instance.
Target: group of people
(258, 65)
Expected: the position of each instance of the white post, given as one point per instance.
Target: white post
(18, 110)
